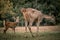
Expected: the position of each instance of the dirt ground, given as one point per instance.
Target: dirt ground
(34, 29)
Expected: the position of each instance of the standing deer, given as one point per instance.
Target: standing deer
(11, 25)
(30, 15)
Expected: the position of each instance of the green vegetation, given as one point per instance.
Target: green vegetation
(12, 7)
(21, 36)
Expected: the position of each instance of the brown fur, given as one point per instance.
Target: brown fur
(30, 15)
(11, 25)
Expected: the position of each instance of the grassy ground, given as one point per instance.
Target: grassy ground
(21, 36)
(46, 33)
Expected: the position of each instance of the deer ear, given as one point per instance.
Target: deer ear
(23, 10)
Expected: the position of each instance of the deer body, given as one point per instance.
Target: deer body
(30, 15)
(9, 24)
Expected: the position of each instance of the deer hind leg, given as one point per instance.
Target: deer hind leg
(38, 23)
(38, 26)
(6, 28)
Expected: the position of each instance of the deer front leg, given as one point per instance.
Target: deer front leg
(13, 28)
(29, 27)
(26, 23)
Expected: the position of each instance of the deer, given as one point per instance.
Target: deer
(30, 15)
(12, 25)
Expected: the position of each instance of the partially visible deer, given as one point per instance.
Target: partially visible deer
(12, 25)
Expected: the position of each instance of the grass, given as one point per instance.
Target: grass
(21, 36)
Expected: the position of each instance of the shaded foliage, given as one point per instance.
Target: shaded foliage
(49, 7)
